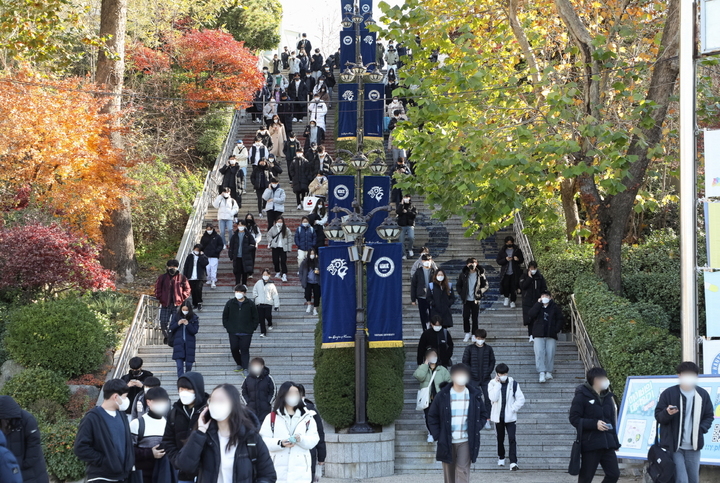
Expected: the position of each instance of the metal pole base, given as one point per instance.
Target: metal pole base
(360, 428)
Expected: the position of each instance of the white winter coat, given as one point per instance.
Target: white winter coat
(266, 294)
(292, 465)
(317, 112)
(512, 403)
(227, 207)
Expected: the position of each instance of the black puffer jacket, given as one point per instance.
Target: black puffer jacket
(586, 410)
(481, 361)
(546, 321)
(23, 440)
(532, 287)
(181, 421)
(212, 244)
(259, 392)
(406, 213)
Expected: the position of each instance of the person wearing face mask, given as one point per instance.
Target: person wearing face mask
(319, 452)
(510, 258)
(240, 319)
(227, 208)
(480, 358)
(324, 161)
(298, 93)
(314, 134)
(319, 185)
(260, 178)
(310, 280)
(401, 169)
(455, 419)
(594, 414)
(233, 178)
(147, 433)
(241, 155)
(258, 389)
(431, 371)
(184, 327)
(280, 241)
(103, 441)
(242, 254)
(318, 218)
(312, 157)
(139, 404)
(277, 136)
(195, 270)
(684, 413)
(290, 432)
(258, 150)
(532, 284)
(438, 338)
(442, 298)
(269, 113)
(317, 110)
(397, 151)
(316, 63)
(211, 244)
(171, 289)
(266, 298)
(419, 262)
(252, 228)
(302, 174)
(285, 58)
(182, 419)
(134, 379)
(507, 398)
(406, 214)
(547, 320)
(292, 146)
(420, 294)
(226, 447)
(285, 112)
(19, 433)
(274, 197)
(471, 286)
(304, 239)
(395, 105)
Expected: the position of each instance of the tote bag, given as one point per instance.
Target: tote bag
(423, 396)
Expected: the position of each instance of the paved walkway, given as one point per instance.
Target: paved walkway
(484, 477)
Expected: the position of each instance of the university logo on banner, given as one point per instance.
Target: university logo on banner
(384, 296)
(347, 111)
(376, 193)
(337, 284)
(374, 110)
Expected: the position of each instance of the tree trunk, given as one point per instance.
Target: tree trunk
(568, 188)
(118, 253)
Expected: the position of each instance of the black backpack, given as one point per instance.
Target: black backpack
(660, 465)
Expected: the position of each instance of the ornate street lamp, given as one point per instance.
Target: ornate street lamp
(358, 69)
(334, 231)
(369, 22)
(376, 76)
(347, 75)
(388, 230)
(359, 161)
(357, 18)
(339, 166)
(355, 225)
(378, 167)
(347, 22)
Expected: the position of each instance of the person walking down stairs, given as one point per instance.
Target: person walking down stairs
(510, 260)
(240, 319)
(310, 281)
(266, 298)
(280, 242)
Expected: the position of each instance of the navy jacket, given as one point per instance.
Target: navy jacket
(259, 392)
(94, 447)
(184, 340)
(23, 440)
(305, 238)
(546, 321)
(480, 360)
(439, 422)
(202, 264)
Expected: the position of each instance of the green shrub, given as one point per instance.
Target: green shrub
(386, 391)
(37, 384)
(46, 411)
(116, 308)
(62, 335)
(653, 315)
(213, 128)
(625, 344)
(334, 385)
(368, 145)
(57, 442)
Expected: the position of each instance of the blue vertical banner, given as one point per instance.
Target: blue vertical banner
(366, 8)
(341, 192)
(374, 110)
(376, 192)
(384, 296)
(347, 48)
(347, 111)
(337, 284)
(346, 10)
(368, 47)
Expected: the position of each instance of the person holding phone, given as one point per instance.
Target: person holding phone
(594, 414)
(225, 447)
(290, 432)
(147, 433)
(310, 281)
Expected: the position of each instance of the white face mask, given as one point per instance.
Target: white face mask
(605, 384)
(479, 342)
(533, 272)
(241, 228)
(186, 397)
(146, 389)
(461, 379)
(209, 232)
(433, 360)
(312, 257)
(278, 225)
(185, 312)
(220, 411)
(266, 278)
(437, 328)
(545, 300)
(195, 252)
(441, 278)
(688, 380)
(239, 295)
(226, 195)
(256, 370)
(274, 185)
(305, 224)
(406, 200)
(233, 162)
(503, 378)
(124, 404)
(160, 408)
(292, 401)
(427, 264)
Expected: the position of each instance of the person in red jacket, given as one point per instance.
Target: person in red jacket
(171, 289)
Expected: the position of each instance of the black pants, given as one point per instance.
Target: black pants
(470, 310)
(427, 410)
(424, 307)
(500, 429)
(312, 292)
(260, 200)
(272, 215)
(241, 275)
(509, 286)
(279, 260)
(240, 349)
(526, 316)
(483, 386)
(606, 458)
(299, 197)
(196, 288)
(264, 313)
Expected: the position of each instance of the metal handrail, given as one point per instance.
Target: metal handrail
(145, 329)
(586, 351)
(521, 238)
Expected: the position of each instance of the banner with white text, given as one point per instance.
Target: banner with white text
(337, 285)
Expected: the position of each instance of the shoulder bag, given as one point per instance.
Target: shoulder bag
(576, 453)
(423, 395)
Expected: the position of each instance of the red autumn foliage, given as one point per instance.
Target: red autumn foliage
(49, 259)
(79, 403)
(221, 68)
(146, 60)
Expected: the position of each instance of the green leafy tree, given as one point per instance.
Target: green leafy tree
(255, 22)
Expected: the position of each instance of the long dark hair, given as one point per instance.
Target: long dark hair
(251, 225)
(238, 419)
(282, 393)
(444, 285)
(284, 229)
(318, 211)
(312, 263)
(190, 309)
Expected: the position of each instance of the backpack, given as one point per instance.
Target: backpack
(273, 417)
(9, 467)
(171, 337)
(660, 466)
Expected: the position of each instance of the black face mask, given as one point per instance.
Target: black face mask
(172, 271)
(509, 245)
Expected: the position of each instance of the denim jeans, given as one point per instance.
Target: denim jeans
(407, 239)
(687, 466)
(544, 353)
(225, 225)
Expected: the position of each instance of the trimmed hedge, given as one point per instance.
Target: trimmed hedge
(386, 391)
(626, 345)
(37, 384)
(62, 335)
(57, 443)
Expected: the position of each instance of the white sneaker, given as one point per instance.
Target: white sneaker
(501, 462)
(309, 309)
(284, 278)
(212, 285)
(208, 282)
(271, 327)
(410, 252)
(294, 119)
(262, 335)
(531, 339)
(299, 207)
(277, 275)
(314, 311)
(542, 377)
(488, 426)
(514, 467)
(404, 257)
(512, 305)
(467, 337)
(507, 301)
(430, 439)
(548, 376)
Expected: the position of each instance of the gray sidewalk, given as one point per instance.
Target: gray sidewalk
(496, 476)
